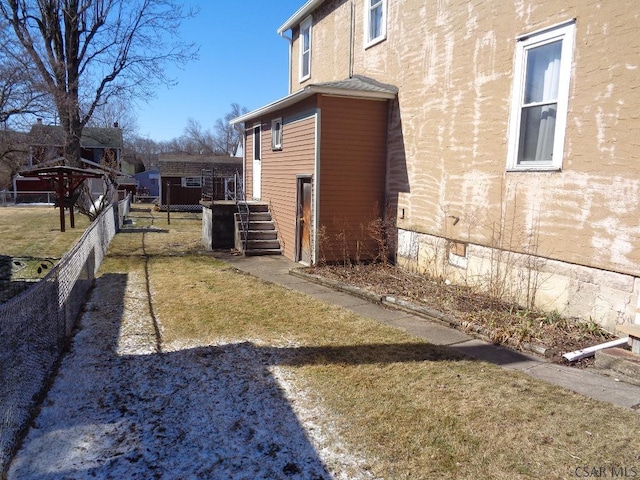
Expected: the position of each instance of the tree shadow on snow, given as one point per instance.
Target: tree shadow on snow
(121, 410)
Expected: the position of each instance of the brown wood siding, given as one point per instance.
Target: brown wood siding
(352, 175)
(279, 173)
(180, 195)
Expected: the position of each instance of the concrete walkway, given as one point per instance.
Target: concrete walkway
(584, 381)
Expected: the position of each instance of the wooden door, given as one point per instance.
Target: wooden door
(304, 220)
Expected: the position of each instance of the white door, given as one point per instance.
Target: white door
(257, 163)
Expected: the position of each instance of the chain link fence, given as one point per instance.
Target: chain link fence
(35, 326)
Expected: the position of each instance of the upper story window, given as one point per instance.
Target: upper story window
(276, 134)
(305, 49)
(540, 99)
(375, 22)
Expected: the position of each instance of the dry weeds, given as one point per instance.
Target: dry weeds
(504, 323)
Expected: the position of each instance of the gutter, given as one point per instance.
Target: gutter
(591, 351)
(290, 41)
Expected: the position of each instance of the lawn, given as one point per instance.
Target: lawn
(31, 243)
(35, 232)
(410, 409)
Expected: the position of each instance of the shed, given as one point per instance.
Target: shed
(181, 175)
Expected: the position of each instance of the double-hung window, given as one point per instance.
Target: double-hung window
(375, 21)
(305, 49)
(539, 99)
(276, 134)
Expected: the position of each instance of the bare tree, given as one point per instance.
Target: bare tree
(18, 95)
(144, 149)
(199, 141)
(18, 99)
(87, 52)
(117, 112)
(224, 140)
(228, 137)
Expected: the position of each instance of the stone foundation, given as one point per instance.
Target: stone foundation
(607, 298)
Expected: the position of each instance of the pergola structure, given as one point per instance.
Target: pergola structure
(64, 181)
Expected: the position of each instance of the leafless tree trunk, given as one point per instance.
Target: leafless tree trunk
(89, 51)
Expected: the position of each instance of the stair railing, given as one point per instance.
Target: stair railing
(243, 209)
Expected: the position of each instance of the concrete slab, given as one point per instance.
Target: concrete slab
(311, 289)
(378, 312)
(620, 363)
(431, 332)
(341, 299)
(584, 381)
(490, 353)
(588, 383)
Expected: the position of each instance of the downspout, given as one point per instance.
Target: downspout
(315, 252)
(290, 40)
(351, 38)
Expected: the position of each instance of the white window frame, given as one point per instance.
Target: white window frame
(276, 134)
(304, 26)
(566, 33)
(192, 182)
(369, 7)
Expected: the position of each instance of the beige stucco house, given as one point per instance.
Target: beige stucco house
(511, 150)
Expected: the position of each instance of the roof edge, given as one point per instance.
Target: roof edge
(307, 92)
(299, 15)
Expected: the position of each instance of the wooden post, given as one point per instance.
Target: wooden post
(168, 203)
(61, 200)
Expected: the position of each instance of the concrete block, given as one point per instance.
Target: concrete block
(619, 363)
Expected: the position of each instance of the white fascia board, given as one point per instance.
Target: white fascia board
(278, 104)
(297, 17)
(307, 92)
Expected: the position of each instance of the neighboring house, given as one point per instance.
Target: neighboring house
(100, 147)
(181, 177)
(510, 154)
(148, 183)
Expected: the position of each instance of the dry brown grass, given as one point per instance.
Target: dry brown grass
(35, 232)
(416, 410)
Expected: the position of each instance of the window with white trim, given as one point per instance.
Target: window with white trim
(305, 49)
(256, 143)
(540, 99)
(192, 182)
(375, 22)
(276, 134)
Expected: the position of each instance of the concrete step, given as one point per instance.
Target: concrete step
(260, 217)
(258, 225)
(257, 217)
(258, 207)
(263, 244)
(262, 251)
(261, 235)
(620, 363)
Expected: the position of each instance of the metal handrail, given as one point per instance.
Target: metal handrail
(243, 209)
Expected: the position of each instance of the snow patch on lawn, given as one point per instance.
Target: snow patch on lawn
(120, 409)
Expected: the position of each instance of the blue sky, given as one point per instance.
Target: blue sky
(242, 60)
